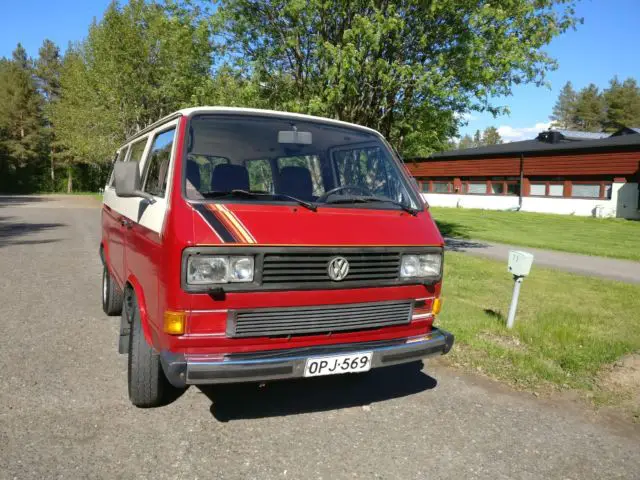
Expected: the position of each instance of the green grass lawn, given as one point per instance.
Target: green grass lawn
(568, 327)
(616, 238)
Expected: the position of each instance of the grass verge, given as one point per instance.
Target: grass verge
(610, 237)
(569, 328)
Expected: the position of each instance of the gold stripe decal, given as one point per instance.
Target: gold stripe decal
(235, 221)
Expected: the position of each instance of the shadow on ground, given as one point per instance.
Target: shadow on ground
(17, 233)
(248, 401)
(460, 244)
(451, 229)
(457, 236)
(17, 200)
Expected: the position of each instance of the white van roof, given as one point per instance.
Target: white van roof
(248, 111)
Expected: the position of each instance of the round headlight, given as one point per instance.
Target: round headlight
(241, 269)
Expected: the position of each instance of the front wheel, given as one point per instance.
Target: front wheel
(146, 380)
(111, 294)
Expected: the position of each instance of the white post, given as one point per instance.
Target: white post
(514, 301)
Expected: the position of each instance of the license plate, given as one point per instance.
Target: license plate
(335, 364)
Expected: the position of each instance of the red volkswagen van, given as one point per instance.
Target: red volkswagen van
(248, 245)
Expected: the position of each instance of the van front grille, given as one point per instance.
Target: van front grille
(303, 268)
(271, 322)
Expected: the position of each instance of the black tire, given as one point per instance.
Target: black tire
(111, 294)
(146, 380)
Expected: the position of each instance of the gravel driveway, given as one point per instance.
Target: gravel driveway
(64, 411)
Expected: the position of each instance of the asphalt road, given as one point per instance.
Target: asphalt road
(610, 268)
(64, 411)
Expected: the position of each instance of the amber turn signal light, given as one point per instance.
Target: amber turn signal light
(174, 322)
(437, 306)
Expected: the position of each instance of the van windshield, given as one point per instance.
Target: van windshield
(279, 159)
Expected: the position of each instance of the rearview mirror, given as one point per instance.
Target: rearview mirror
(126, 178)
(295, 137)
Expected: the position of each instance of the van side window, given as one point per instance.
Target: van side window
(157, 166)
(260, 175)
(137, 149)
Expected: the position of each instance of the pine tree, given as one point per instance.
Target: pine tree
(477, 139)
(47, 71)
(21, 122)
(590, 109)
(622, 104)
(564, 111)
(491, 136)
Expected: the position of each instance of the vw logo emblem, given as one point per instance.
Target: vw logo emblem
(338, 268)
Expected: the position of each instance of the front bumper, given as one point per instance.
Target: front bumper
(184, 370)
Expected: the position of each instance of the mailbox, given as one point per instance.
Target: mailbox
(520, 263)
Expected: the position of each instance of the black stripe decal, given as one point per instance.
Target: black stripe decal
(216, 224)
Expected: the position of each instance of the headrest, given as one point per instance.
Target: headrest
(229, 177)
(296, 181)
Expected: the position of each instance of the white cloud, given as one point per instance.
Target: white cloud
(514, 134)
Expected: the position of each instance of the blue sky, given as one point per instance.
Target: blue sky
(605, 45)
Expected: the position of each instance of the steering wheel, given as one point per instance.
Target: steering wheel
(328, 193)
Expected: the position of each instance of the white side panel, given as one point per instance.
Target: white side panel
(623, 203)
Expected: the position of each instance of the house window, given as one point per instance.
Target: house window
(579, 189)
(505, 186)
(538, 189)
(585, 190)
(441, 186)
(476, 186)
(556, 190)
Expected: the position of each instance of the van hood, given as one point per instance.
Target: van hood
(260, 224)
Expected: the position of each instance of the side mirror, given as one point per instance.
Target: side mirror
(126, 177)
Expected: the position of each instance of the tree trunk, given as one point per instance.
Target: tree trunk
(69, 181)
(53, 173)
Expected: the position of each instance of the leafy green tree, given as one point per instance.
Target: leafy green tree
(564, 111)
(622, 104)
(21, 123)
(590, 109)
(405, 68)
(139, 63)
(490, 136)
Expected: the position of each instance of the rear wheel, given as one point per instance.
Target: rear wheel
(146, 380)
(111, 294)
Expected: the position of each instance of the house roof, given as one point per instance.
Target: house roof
(546, 142)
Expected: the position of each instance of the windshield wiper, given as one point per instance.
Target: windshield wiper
(406, 208)
(247, 194)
